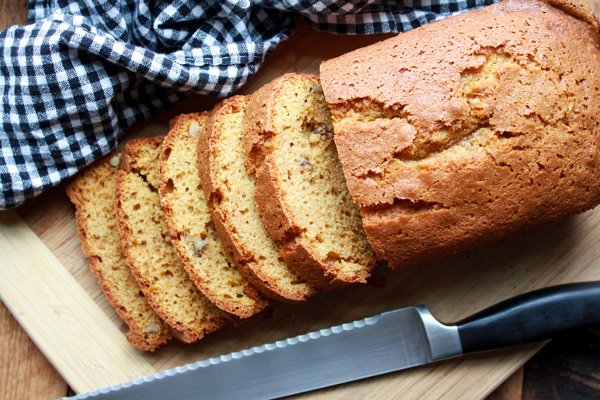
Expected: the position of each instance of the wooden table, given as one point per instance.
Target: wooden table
(568, 368)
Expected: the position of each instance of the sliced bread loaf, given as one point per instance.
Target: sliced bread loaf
(188, 218)
(491, 128)
(93, 193)
(229, 187)
(147, 245)
(302, 194)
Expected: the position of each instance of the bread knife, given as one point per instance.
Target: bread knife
(387, 342)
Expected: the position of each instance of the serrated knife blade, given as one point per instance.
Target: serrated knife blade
(376, 345)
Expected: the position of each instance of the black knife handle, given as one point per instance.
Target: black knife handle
(532, 317)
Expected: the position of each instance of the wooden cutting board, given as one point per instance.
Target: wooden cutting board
(46, 283)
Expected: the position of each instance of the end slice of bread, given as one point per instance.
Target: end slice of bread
(146, 242)
(190, 225)
(93, 193)
(301, 190)
(229, 188)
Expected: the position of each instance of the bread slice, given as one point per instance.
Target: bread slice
(93, 193)
(230, 190)
(302, 194)
(147, 245)
(188, 218)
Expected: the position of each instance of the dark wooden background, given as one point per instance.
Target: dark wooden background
(568, 368)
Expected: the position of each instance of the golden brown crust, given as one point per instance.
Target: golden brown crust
(180, 329)
(145, 341)
(242, 256)
(495, 128)
(253, 301)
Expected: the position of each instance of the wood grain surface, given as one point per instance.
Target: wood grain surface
(24, 371)
(565, 369)
(568, 368)
(12, 12)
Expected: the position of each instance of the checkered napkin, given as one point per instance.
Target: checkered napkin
(83, 71)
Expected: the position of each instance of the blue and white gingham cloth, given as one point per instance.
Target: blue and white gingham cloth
(83, 71)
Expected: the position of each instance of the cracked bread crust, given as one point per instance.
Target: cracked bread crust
(229, 189)
(492, 127)
(92, 192)
(321, 255)
(147, 246)
(188, 218)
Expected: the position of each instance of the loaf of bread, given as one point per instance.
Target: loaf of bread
(146, 242)
(93, 194)
(468, 129)
(229, 188)
(301, 191)
(188, 218)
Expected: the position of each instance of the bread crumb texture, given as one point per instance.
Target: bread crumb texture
(230, 189)
(489, 126)
(147, 244)
(302, 192)
(190, 225)
(93, 194)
